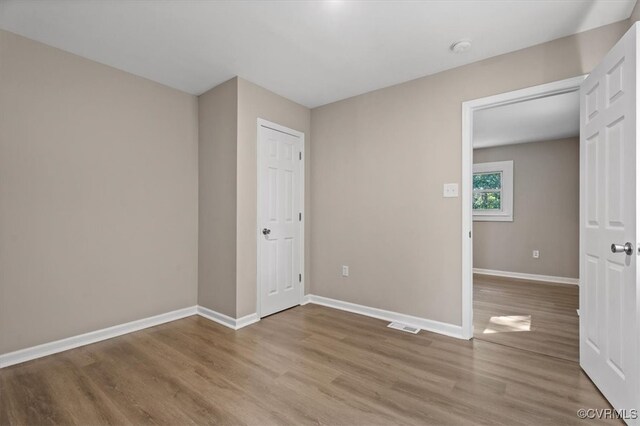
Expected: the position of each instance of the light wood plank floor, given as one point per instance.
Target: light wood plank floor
(533, 316)
(307, 365)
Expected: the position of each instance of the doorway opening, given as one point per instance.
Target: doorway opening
(520, 195)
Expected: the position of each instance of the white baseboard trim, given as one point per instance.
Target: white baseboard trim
(523, 276)
(61, 345)
(27, 354)
(423, 323)
(246, 320)
(227, 321)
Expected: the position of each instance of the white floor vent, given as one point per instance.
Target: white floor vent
(403, 327)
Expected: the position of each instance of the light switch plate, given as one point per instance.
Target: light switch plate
(450, 190)
(345, 271)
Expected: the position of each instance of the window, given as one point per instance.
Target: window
(493, 191)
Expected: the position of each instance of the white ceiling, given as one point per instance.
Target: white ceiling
(313, 52)
(553, 117)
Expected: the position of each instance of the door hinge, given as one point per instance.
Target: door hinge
(300, 155)
(300, 217)
(299, 277)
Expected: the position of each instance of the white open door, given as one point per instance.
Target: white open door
(609, 328)
(280, 189)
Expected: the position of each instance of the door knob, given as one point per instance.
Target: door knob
(618, 248)
(266, 231)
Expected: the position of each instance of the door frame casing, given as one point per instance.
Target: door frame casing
(468, 108)
(277, 127)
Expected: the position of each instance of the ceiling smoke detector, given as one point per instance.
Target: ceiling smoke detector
(460, 46)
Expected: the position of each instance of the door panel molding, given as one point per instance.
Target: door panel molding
(609, 194)
(298, 216)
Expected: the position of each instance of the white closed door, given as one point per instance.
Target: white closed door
(280, 218)
(609, 332)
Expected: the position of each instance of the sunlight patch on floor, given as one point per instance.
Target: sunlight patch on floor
(507, 324)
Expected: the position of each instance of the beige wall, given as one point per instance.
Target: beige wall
(635, 13)
(228, 190)
(99, 189)
(379, 162)
(99, 193)
(218, 121)
(545, 211)
(255, 102)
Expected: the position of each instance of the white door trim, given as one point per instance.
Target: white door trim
(468, 108)
(268, 124)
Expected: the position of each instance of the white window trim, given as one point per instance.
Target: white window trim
(506, 199)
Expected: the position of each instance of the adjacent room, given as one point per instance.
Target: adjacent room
(319, 212)
(526, 158)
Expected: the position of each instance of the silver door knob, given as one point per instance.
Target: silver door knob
(627, 248)
(266, 231)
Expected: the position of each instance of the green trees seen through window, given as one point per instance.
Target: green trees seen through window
(487, 191)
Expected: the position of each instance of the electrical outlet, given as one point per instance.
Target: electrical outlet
(536, 254)
(450, 190)
(345, 271)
